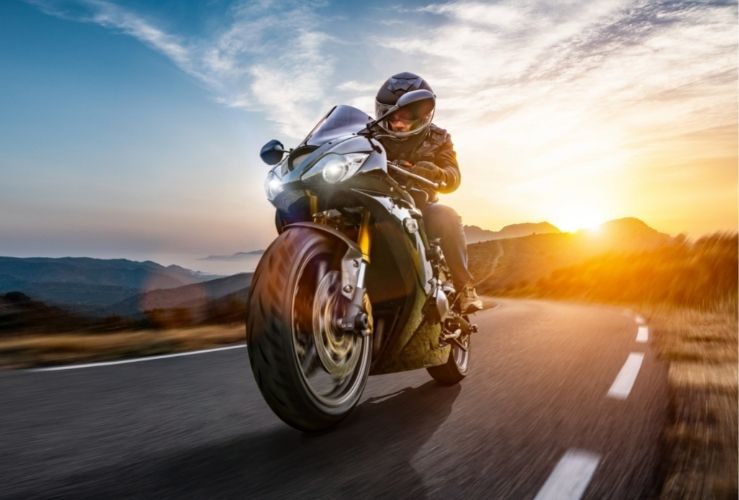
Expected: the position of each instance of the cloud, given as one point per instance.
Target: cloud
(111, 16)
(357, 87)
(504, 67)
(539, 75)
(488, 58)
(268, 57)
(548, 102)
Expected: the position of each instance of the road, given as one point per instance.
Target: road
(542, 413)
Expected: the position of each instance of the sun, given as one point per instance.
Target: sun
(576, 219)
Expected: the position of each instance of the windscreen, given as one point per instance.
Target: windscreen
(339, 122)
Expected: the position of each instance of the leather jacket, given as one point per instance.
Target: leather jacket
(435, 145)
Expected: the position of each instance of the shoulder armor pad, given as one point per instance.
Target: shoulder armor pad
(437, 134)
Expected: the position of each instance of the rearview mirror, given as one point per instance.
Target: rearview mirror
(272, 152)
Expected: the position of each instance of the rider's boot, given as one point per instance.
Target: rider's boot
(469, 301)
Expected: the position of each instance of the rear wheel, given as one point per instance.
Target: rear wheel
(456, 367)
(310, 372)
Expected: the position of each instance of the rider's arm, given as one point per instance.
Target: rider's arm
(446, 158)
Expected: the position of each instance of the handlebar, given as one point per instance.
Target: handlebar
(395, 167)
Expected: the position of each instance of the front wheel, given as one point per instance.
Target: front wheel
(456, 367)
(310, 372)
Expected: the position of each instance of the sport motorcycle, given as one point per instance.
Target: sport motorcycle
(352, 286)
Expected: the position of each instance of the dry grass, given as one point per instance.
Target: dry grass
(701, 437)
(77, 348)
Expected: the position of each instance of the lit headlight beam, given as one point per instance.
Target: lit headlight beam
(273, 186)
(335, 168)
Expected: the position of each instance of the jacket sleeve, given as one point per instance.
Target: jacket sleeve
(446, 158)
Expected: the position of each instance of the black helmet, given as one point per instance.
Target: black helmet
(420, 113)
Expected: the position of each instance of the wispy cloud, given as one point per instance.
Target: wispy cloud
(111, 16)
(486, 58)
(530, 73)
(560, 87)
(624, 106)
(273, 58)
(267, 56)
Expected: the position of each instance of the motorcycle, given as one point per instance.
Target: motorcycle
(351, 286)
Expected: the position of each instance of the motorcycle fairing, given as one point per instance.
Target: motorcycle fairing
(408, 340)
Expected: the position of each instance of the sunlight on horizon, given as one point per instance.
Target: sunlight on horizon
(564, 116)
(576, 221)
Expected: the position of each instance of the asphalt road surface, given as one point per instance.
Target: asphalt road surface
(563, 401)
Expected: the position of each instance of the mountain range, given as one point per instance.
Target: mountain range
(87, 287)
(475, 234)
(503, 264)
(86, 284)
(194, 296)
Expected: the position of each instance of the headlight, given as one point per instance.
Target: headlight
(273, 185)
(336, 168)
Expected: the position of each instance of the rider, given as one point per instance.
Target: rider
(427, 150)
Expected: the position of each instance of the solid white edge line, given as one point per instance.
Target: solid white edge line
(626, 377)
(134, 360)
(570, 476)
(642, 335)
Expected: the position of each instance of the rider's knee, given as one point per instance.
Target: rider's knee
(442, 215)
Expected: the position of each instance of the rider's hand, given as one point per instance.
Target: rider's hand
(429, 170)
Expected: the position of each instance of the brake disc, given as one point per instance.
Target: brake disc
(338, 351)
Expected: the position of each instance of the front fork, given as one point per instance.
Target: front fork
(355, 317)
(354, 265)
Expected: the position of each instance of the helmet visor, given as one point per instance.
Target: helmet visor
(410, 120)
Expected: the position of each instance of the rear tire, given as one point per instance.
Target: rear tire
(290, 334)
(456, 367)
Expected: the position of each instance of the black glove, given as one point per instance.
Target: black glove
(429, 170)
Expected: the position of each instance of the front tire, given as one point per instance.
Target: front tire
(310, 373)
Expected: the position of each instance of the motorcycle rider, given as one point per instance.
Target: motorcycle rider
(416, 143)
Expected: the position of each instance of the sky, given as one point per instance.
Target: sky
(132, 128)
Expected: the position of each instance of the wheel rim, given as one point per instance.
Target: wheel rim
(331, 362)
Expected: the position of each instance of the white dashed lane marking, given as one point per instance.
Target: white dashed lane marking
(642, 335)
(626, 377)
(570, 477)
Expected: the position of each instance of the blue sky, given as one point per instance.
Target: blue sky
(132, 128)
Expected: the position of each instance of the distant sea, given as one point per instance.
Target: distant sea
(194, 262)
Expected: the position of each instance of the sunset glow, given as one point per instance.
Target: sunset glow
(578, 219)
(559, 112)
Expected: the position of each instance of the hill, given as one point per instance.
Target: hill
(522, 261)
(700, 275)
(475, 234)
(86, 284)
(626, 261)
(194, 296)
(629, 234)
(21, 315)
